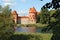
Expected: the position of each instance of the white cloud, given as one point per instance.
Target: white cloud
(6, 0)
(22, 12)
(23, 0)
(9, 2)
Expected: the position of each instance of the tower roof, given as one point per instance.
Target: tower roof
(14, 12)
(32, 9)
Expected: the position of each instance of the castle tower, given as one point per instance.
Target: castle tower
(32, 15)
(14, 16)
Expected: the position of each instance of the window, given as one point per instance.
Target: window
(33, 15)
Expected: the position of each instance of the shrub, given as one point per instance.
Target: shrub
(31, 36)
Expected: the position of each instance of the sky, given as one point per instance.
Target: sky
(22, 6)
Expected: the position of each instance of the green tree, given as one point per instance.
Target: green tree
(38, 18)
(44, 16)
(0, 7)
(54, 25)
(6, 24)
(54, 4)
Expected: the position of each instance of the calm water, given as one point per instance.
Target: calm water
(27, 29)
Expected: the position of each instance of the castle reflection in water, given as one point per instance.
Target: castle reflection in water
(27, 29)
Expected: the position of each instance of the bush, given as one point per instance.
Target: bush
(25, 37)
(31, 36)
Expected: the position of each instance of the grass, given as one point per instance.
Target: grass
(45, 36)
(32, 25)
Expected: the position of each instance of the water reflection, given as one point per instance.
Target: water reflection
(28, 29)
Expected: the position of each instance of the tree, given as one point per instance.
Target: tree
(6, 23)
(38, 18)
(0, 7)
(54, 25)
(54, 4)
(44, 16)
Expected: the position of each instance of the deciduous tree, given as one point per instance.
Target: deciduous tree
(6, 23)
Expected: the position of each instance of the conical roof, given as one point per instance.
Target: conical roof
(14, 12)
(32, 9)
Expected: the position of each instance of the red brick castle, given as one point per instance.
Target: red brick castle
(30, 19)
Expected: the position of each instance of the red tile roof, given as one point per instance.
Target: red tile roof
(14, 12)
(32, 10)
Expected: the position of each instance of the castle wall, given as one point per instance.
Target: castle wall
(24, 20)
(19, 20)
(30, 19)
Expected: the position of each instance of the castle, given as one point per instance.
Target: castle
(30, 19)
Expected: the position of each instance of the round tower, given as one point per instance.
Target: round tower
(32, 15)
(15, 16)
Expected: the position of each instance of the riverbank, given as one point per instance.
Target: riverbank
(32, 25)
(32, 36)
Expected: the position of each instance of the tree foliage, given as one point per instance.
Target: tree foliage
(38, 18)
(54, 4)
(54, 25)
(44, 16)
(6, 23)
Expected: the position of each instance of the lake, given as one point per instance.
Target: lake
(28, 29)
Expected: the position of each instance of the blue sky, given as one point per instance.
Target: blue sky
(22, 6)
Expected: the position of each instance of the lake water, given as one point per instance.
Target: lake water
(27, 29)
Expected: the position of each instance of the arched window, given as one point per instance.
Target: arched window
(33, 15)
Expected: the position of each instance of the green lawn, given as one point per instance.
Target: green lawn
(32, 25)
(42, 36)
